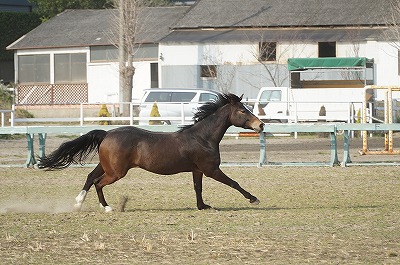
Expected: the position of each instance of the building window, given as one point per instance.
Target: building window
(103, 54)
(326, 49)
(70, 68)
(267, 51)
(208, 71)
(398, 62)
(144, 52)
(34, 68)
(154, 74)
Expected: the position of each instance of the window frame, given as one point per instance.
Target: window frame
(70, 65)
(267, 51)
(208, 71)
(35, 67)
(327, 49)
(108, 53)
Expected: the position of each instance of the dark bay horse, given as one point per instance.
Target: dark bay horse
(194, 148)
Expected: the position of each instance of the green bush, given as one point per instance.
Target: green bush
(6, 97)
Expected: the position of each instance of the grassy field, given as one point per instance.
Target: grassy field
(306, 215)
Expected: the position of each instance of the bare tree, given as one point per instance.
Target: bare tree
(266, 56)
(127, 23)
(222, 73)
(393, 24)
(272, 55)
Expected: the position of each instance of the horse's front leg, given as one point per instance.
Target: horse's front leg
(221, 177)
(198, 188)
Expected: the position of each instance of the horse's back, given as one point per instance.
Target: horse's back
(158, 152)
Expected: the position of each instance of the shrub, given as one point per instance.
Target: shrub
(104, 113)
(154, 113)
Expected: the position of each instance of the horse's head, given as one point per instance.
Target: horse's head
(241, 116)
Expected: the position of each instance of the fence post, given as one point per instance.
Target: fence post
(81, 114)
(12, 114)
(263, 153)
(131, 113)
(182, 113)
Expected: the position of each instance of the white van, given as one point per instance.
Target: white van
(176, 105)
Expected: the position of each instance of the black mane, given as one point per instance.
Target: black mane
(211, 107)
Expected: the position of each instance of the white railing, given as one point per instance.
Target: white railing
(3, 112)
(297, 113)
(132, 117)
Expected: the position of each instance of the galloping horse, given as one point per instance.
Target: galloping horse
(194, 148)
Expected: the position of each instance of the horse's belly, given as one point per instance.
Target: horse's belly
(163, 166)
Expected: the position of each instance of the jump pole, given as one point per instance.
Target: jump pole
(388, 119)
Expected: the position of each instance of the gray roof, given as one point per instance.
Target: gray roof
(275, 34)
(231, 20)
(88, 27)
(284, 13)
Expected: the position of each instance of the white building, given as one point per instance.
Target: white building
(228, 45)
(72, 58)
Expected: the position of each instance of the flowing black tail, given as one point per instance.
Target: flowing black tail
(75, 151)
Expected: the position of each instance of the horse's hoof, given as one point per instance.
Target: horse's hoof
(256, 202)
(77, 206)
(108, 209)
(204, 207)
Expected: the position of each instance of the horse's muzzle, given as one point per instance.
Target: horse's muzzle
(259, 128)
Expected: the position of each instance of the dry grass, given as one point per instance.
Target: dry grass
(307, 215)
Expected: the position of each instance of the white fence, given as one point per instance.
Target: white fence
(298, 114)
(132, 118)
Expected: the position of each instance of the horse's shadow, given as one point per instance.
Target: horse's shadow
(238, 209)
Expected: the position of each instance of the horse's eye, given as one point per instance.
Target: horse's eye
(242, 111)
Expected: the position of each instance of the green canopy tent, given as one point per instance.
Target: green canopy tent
(357, 65)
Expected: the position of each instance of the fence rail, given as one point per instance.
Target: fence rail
(331, 128)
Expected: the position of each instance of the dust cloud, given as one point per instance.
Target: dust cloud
(45, 205)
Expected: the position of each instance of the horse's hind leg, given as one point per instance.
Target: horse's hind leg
(107, 179)
(93, 176)
(102, 200)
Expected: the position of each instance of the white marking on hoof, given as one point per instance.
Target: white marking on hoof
(79, 199)
(108, 209)
(256, 202)
(78, 206)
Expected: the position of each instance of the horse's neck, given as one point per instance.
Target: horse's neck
(214, 126)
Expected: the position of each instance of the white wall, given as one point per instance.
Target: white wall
(213, 53)
(103, 81)
(384, 54)
(387, 65)
(141, 79)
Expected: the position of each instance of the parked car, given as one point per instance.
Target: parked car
(176, 105)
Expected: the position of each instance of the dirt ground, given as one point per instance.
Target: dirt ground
(314, 215)
(306, 148)
(307, 215)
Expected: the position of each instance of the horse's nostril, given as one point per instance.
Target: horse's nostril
(262, 126)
